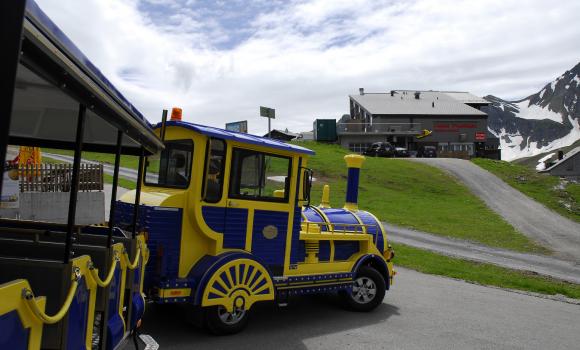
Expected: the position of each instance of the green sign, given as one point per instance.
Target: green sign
(267, 112)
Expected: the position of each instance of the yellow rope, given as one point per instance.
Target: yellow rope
(95, 273)
(29, 297)
(133, 265)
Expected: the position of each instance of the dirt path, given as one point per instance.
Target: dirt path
(543, 265)
(526, 215)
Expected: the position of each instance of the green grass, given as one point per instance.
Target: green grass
(131, 162)
(485, 274)
(415, 195)
(544, 188)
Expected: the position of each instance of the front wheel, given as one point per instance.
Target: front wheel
(221, 322)
(368, 290)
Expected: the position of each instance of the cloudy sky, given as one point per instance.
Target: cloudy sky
(220, 60)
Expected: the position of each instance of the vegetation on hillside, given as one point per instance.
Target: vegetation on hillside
(485, 274)
(414, 195)
(560, 196)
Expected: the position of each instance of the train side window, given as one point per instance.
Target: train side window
(170, 167)
(214, 171)
(256, 175)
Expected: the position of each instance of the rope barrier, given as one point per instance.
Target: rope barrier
(95, 273)
(132, 265)
(33, 306)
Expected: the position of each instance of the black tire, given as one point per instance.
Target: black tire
(368, 290)
(218, 324)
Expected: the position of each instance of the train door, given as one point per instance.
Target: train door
(259, 205)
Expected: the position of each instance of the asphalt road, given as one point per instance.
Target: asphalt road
(526, 215)
(420, 312)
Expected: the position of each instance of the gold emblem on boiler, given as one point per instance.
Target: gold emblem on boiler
(270, 232)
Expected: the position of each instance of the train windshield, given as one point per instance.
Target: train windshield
(170, 167)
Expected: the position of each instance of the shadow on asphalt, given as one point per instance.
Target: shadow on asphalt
(270, 327)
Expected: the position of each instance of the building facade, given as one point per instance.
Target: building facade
(451, 121)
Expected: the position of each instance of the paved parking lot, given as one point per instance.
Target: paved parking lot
(420, 312)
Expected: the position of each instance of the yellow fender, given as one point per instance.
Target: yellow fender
(238, 283)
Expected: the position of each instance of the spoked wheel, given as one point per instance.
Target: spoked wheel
(220, 321)
(368, 290)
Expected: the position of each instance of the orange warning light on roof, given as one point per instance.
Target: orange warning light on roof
(175, 113)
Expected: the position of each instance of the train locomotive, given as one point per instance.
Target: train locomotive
(228, 221)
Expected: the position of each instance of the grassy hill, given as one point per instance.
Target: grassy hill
(532, 162)
(400, 192)
(414, 195)
(564, 198)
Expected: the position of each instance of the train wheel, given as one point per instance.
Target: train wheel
(221, 322)
(368, 290)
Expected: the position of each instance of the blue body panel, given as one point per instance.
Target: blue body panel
(235, 228)
(13, 335)
(115, 322)
(271, 251)
(374, 228)
(297, 250)
(163, 225)
(215, 218)
(238, 136)
(344, 249)
(78, 317)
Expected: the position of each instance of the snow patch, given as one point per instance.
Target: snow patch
(536, 112)
(541, 165)
(513, 150)
(577, 80)
(542, 93)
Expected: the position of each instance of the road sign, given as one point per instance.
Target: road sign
(241, 126)
(267, 112)
(480, 136)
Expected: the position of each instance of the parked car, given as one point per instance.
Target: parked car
(427, 152)
(380, 149)
(401, 152)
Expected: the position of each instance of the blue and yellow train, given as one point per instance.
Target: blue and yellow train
(229, 223)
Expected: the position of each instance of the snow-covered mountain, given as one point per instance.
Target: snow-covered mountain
(544, 121)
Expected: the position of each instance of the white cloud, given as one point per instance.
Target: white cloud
(305, 57)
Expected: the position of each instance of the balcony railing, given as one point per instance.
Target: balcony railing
(378, 128)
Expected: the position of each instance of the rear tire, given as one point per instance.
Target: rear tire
(368, 290)
(219, 321)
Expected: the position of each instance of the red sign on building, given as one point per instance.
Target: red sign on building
(480, 136)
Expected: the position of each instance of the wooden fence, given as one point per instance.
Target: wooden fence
(57, 177)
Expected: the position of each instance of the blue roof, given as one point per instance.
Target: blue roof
(58, 38)
(238, 136)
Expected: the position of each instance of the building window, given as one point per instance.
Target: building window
(358, 147)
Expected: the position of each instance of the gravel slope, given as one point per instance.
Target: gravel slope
(526, 215)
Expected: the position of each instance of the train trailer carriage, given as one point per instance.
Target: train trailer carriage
(66, 286)
(229, 223)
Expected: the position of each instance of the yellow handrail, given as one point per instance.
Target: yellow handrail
(29, 297)
(132, 265)
(95, 273)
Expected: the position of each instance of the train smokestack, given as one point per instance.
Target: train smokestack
(354, 164)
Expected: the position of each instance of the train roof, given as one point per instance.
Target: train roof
(57, 76)
(239, 137)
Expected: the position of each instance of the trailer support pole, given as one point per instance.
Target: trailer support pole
(74, 186)
(138, 192)
(11, 20)
(113, 205)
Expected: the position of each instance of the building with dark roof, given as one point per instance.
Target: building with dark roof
(568, 166)
(450, 120)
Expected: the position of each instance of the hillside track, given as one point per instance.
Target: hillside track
(539, 264)
(523, 213)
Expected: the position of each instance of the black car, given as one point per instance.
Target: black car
(401, 152)
(380, 149)
(427, 152)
